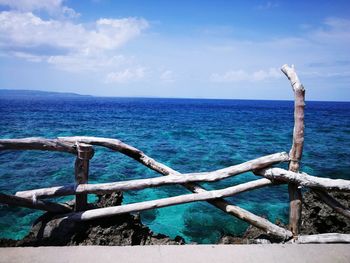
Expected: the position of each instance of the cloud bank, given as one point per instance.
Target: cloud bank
(51, 7)
(242, 75)
(206, 61)
(65, 43)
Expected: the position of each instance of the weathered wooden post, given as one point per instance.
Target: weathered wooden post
(85, 153)
(296, 151)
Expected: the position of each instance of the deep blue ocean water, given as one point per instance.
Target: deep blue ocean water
(186, 134)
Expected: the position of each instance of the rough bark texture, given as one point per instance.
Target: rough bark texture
(323, 238)
(157, 181)
(304, 179)
(34, 204)
(37, 143)
(296, 151)
(295, 206)
(163, 202)
(113, 144)
(85, 153)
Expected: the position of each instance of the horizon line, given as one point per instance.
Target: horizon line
(154, 97)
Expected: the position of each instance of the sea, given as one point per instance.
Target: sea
(189, 135)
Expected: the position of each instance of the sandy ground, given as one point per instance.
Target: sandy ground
(189, 253)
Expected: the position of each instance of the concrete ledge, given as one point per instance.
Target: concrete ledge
(189, 253)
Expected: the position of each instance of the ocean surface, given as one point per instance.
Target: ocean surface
(188, 135)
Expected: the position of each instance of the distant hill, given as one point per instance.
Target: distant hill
(37, 94)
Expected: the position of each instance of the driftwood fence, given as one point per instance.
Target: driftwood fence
(82, 148)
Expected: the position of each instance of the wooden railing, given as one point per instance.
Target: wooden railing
(82, 148)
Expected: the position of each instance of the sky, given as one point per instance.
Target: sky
(181, 49)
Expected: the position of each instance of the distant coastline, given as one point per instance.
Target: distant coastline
(41, 94)
(22, 94)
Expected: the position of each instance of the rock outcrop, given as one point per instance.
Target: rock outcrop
(317, 218)
(121, 230)
(252, 235)
(127, 229)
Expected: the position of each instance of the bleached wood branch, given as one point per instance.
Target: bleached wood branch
(293, 77)
(163, 202)
(139, 156)
(158, 181)
(36, 204)
(332, 203)
(297, 147)
(251, 165)
(257, 221)
(207, 195)
(37, 143)
(323, 238)
(81, 172)
(113, 144)
(233, 210)
(304, 179)
(53, 191)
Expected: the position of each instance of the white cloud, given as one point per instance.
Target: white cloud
(334, 30)
(323, 45)
(95, 48)
(78, 62)
(167, 76)
(52, 7)
(338, 23)
(271, 73)
(25, 30)
(68, 45)
(242, 75)
(112, 33)
(126, 75)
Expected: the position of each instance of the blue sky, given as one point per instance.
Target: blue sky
(197, 49)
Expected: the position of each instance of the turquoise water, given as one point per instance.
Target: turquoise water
(187, 135)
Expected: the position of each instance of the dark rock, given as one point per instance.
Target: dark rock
(252, 235)
(110, 200)
(318, 218)
(4, 242)
(120, 230)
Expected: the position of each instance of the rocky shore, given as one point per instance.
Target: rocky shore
(317, 218)
(128, 230)
(121, 230)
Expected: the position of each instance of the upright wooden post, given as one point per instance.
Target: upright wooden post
(295, 197)
(85, 153)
